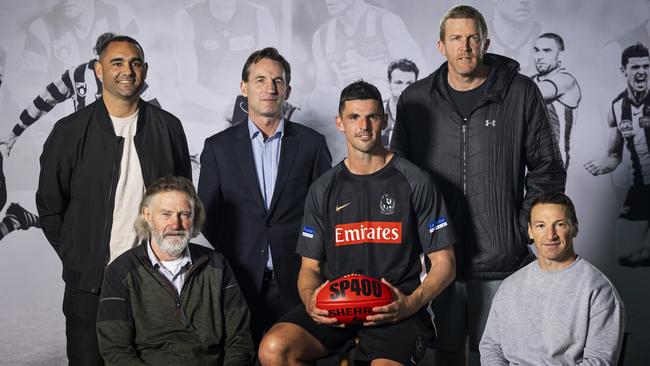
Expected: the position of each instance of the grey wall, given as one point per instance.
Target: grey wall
(31, 323)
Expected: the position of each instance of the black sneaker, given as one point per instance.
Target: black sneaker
(25, 218)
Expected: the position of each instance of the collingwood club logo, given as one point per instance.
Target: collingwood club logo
(80, 88)
(490, 123)
(386, 204)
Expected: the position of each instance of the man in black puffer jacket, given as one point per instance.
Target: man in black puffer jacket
(481, 130)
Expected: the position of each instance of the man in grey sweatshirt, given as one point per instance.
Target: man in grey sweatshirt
(558, 310)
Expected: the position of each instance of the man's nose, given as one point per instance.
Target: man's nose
(467, 44)
(176, 222)
(128, 69)
(271, 88)
(551, 232)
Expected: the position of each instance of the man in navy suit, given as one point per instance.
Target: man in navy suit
(253, 182)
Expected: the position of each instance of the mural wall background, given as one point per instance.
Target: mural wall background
(195, 61)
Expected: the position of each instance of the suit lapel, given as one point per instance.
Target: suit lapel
(244, 155)
(287, 157)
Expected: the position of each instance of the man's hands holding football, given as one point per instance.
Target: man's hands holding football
(320, 316)
(398, 310)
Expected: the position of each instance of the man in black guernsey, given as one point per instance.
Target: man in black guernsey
(341, 234)
(628, 125)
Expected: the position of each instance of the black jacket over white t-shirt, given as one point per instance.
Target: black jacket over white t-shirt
(80, 167)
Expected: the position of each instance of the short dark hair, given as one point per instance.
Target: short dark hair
(101, 41)
(360, 90)
(557, 198)
(272, 54)
(109, 38)
(635, 50)
(465, 12)
(556, 37)
(170, 184)
(405, 65)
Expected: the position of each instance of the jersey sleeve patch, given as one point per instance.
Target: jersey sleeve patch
(437, 224)
(308, 232)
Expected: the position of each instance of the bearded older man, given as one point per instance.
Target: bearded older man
(168, 301)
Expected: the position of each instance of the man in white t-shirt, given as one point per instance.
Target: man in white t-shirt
(95, 166)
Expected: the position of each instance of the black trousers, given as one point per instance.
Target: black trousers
(80, 310)
(268, 308)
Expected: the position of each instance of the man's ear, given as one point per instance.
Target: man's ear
(530, 232)
(441, 47)
(486, 46)
(339, 124)
(99, 72)
(243, 88)
(287, 93)
(146, 213)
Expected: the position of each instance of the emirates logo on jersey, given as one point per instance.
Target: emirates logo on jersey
(378, 232)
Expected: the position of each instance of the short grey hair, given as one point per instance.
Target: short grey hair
(170, 184)
(465, 12)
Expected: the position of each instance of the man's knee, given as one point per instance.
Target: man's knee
(276, 345)
(288, 343)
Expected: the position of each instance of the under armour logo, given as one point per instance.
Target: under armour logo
(492, 123)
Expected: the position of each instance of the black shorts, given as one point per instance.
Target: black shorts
(404, 342)
(637, 204)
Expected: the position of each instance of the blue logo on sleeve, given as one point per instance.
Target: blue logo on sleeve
(308, 232)
(437, 224)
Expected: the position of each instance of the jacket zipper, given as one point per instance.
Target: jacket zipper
(180, 312)
(463, 145)
(179, 305)
(106, 223)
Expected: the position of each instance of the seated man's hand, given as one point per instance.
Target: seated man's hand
(396, 311)
(320, 316)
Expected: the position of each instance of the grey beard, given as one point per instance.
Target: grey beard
(172, 245)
